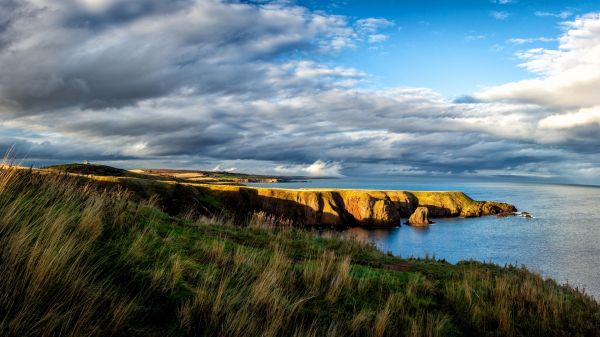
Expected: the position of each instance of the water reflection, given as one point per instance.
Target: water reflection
(369, 234)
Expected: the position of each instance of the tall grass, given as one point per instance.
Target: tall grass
(50, 284)
(77, 260)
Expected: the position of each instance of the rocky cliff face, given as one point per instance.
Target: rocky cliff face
(329, 207)
(420, 217)
(352, 207)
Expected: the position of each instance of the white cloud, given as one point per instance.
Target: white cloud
(565, 88)
(568, 77)
(220, 168)
(561, 15)
(317, 169)
(369, 29)
(96, 5)
(377, 38)
(504, 2)
(582, 117)
(475, 37)
(310, 69)
(530, 40)
(372, 25)
(499, 15)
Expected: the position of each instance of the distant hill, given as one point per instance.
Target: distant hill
(191, 176)
(92, 169)
(215, 176)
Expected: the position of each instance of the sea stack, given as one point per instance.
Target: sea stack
(420, 217)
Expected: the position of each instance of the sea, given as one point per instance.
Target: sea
(560, 241)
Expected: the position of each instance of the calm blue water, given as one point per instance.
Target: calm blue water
(562, 241)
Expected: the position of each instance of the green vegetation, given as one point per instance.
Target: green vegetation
(182, 176)
(93, 169)
(77, 260)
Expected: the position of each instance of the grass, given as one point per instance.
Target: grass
(189, 176)
(93, 169)
(77, 260)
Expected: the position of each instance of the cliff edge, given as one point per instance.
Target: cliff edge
(305, 207)
(339, 207)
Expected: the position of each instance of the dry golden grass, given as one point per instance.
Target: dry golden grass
(46, 229)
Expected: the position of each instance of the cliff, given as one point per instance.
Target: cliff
(337, 207)
(329, 207)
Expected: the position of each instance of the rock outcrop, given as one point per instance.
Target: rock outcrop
(338, 207)
(307, 207)
(420, 217)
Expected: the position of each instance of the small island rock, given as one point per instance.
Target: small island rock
(420, 217)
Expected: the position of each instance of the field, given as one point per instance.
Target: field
(181, 176)
(80, 259)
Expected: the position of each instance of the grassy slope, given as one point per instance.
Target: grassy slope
(79, 262)
(93, 169)
(165, 174)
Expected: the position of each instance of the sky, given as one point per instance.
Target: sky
(488, 89)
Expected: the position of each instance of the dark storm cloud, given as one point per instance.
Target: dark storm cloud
(124, 128)
(11, 11)
(119, 12)
(39, 153)
(207, 48)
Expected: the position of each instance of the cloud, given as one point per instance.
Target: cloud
(499, 15)
(584, 117)
(372, 25)
(475, 37)
(220, 168)
(568, 77)
(520, 41)
(370, 28)
(317, 169)
(55, 60)
(565, 87)
(561, 15)
(504, 2)
(377, 38)
(106, 54)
